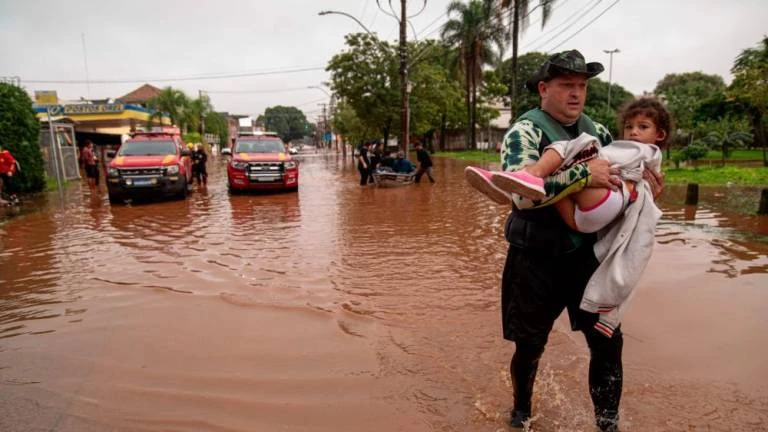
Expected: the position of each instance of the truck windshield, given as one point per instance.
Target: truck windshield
(147, 148)
(260, 146)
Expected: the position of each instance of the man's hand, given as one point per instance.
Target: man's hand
(602, 175)
(655, 180)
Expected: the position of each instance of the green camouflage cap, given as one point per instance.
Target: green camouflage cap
(564, 63)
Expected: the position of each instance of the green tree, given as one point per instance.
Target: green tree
(436, 95)
(193, 113)
(289, 122)
(725, 135)
(527, 65)
(519, 22)
(365, 76)
(750, 86)
(216, 123)
(476, 33)
(597, 108)
(172, 102)
(20, 135)
(684, 92)
(348, 125)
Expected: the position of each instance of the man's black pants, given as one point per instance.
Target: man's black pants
(536, 288)
(364, 173)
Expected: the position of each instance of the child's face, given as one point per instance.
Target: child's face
(642, 128)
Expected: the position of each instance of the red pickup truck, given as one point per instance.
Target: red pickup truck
(150, 164)
(260, 161)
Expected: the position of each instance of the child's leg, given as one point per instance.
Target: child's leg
(567, 209)
(480, 179)
(597, 207)
(529, 182)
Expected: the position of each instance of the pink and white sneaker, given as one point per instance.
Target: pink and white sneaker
(521, 183)
(480, 179)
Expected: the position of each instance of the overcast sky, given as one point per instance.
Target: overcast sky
(149, 41)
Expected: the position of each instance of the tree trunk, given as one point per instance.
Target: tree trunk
(515, 33)
(443, 126)
(723, 147)
(474, 112)
(468, 75)
(761, 140)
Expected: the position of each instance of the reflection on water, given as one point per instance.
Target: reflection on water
(343, 307)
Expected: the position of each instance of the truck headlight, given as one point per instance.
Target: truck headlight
(238, 165)
(172, 170)
(290, 165)
(113, 172)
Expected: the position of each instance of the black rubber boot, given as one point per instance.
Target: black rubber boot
(518, 418)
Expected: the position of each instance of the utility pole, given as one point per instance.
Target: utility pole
(404, 113)
(202, 116)
(610, 72)
(325, 124)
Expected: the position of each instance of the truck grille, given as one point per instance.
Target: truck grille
(149, 171)
(265, 172)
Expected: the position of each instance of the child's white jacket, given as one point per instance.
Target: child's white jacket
(624, 247)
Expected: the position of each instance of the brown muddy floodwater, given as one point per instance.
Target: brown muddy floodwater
(343, 308)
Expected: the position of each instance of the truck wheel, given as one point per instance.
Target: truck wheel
(184, 190)
(115, 199)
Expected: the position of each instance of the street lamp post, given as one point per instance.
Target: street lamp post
(329, 12)
(404, 105)
(610, 72)
(403, 51)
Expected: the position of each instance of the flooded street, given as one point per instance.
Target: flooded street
(341, 308)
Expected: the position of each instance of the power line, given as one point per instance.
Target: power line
(188, 78)
(551, 29)
(585, 12)
(585, 26)
(588, 8)
(257, 91)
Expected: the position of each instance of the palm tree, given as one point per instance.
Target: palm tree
(727, 141)
(518, 20)
(172, 102)
(474, 33)
(194, 113)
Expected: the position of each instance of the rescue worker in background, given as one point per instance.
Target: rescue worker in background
(425, 163)
(199, 172)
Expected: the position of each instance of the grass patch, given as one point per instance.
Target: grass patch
(471, 155)
(716, 175)
(51, 186)
(715, 155)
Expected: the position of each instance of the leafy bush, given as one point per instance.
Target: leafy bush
(192, 138)
(20, 134)
(693, 152)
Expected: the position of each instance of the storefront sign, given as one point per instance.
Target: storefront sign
(46, 97)
(92, 109)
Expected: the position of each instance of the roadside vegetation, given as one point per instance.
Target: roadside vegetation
(20, 135)
(705, 171)
(459, 82)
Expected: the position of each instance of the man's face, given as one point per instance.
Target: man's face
(563, 97)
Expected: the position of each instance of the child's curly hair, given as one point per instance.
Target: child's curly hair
(651, 108)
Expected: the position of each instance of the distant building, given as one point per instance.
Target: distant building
(140, 96)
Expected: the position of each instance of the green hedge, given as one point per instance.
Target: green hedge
(20, 134)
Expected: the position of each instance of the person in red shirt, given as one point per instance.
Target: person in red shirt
(7, 170)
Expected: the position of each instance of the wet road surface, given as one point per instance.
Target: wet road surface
(341, 308)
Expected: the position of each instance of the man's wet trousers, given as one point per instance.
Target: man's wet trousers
(605, 373)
